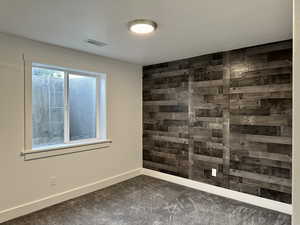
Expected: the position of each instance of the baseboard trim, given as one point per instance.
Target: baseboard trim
(239, 196)
(39, 204)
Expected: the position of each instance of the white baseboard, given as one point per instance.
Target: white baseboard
(239, 196)
(39, 204)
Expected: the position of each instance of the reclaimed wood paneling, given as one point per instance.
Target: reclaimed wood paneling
(261, 112)
(231, 111)
(165, 102)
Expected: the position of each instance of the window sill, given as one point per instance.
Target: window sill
(64, 149)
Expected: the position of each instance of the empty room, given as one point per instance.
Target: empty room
(161, 112)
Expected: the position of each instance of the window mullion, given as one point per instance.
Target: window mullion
(66, 108)
(98, 107)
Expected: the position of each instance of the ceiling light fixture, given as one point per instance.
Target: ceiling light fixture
(142, 26)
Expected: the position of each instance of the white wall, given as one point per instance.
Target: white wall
(25, 181)
(296, 113)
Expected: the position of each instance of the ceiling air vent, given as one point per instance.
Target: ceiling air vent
(96, 43)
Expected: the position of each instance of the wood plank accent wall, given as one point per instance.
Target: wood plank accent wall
(231, 111)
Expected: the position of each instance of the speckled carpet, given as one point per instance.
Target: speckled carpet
(147, 201)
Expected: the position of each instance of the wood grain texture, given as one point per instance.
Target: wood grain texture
(231, 111)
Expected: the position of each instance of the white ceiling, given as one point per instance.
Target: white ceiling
(186, 27)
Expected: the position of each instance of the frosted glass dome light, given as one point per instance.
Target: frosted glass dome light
(142, 26)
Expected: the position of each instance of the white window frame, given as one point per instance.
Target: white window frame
(68, 146)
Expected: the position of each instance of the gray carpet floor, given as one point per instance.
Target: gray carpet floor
(147, 201)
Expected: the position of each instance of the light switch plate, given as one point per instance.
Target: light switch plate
(214, 172)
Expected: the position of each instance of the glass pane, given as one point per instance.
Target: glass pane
(47, 107)
(82, 101)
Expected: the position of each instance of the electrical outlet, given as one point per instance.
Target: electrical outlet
(53, 181)
(214, 172)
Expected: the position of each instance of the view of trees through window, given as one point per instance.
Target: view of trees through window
(48, 107)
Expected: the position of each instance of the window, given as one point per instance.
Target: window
(68, 107)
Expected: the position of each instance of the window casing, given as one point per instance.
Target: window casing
(57, 99)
